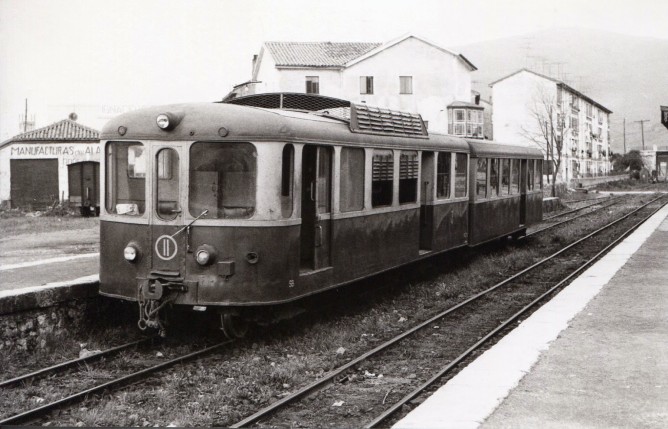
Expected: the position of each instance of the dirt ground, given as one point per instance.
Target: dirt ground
(73, 237)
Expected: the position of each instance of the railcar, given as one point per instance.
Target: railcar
(263, 200)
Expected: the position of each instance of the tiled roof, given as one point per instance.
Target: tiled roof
(317, 54)
(66, 129)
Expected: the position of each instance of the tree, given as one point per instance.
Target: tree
(547, 131)
(631, 161)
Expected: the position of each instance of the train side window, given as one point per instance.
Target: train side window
(287, 179)
(352, 179)
(125, 187)
(539, 173)
(324, 179)
(481, 178)
(222, 180)
(443, 167)
(461, 170)
(505, 177)
(494, 177)
(382, 178)
(408, 177)
(515, 177)
(167, 206)
(530, 175)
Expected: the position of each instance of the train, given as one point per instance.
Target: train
(241, 206)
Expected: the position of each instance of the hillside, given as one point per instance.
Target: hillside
(628, 75)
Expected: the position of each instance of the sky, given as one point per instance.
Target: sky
(101, 58)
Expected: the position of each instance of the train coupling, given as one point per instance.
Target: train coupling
(154, 295)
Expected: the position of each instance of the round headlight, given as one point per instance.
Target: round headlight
(163, 121)
(130, 253)
(205, 254)
(203, 257)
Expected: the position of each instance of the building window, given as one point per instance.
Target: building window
(408, 174)
(366, 84)
(352, 179)
(312, 85)
(382, 178)
(459, 115)
(443, 167)
(405, 84)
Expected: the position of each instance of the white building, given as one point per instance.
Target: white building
(526, 103)
(34, 164)
(408, 74)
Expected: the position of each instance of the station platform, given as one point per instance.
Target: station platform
(595, 356)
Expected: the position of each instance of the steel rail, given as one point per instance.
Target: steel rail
(67, 364)
(566, 220)
(583, 207)
(39, 411)
(417, 391)
(333, 373)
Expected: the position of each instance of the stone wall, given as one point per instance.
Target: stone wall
(29, 319)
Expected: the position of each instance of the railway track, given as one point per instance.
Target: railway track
(34, 414)
(38, 412)
(523, 284)
(611, 202)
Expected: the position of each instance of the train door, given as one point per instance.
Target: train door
(168, 236)
(316, 207)
(523, 191)
(426, 201)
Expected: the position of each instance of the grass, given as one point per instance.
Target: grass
(18, 225)
(224, 387)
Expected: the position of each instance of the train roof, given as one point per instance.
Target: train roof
(486, 148)
(229, 122)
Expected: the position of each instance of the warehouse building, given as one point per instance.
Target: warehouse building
(34, 165)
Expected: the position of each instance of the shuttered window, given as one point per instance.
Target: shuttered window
(408, 177)
(382, 178)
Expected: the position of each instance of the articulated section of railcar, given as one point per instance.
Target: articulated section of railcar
(494, 218)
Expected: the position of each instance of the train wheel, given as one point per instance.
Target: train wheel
(233, 326)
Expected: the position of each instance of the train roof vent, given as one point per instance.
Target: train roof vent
(291, 100)
(375, 120)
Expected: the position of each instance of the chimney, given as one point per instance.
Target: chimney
(254, 62)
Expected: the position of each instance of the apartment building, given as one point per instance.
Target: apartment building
(408, 74)
(539, 111)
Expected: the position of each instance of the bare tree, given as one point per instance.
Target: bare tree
(547, 131)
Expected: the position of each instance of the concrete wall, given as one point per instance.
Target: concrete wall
(65, 152)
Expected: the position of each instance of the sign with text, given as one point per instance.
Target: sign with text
(67, 153)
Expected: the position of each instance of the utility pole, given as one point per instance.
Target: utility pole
(642, 131)
(624, 136)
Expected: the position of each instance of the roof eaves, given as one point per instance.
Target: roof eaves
(584, 96)
(520, 71)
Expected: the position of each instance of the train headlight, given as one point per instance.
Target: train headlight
(163, 121)
(205, 255)
(131, 253)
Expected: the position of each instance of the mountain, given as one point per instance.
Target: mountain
(626, 74)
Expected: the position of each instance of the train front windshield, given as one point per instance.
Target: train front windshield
(126, 178)
(222, 179)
